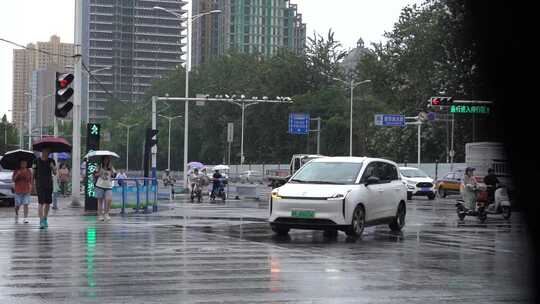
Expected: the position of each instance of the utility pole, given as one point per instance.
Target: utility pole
(76, 140)
(170, 119)
(127, 143)
(418, 122)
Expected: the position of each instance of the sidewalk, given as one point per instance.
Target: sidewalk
(179, 208)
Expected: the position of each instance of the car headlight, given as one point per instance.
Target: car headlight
(336, 197)
(410, 186)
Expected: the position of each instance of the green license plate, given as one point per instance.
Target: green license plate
(303, 213)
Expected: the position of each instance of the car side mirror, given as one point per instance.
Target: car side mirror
(372, 180)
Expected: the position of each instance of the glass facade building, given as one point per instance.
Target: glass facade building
(246, 26)
(129, 44)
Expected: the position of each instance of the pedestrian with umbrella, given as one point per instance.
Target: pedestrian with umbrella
(20, 161)
(105, 174)
(44, 169)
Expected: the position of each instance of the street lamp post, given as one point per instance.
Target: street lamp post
(352, 86)
(19, 130)
(127, 143)
(29, 110)
(187, 68)
(41, 114)
(169, 118)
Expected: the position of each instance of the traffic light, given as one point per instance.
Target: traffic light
(62, 94)
(441, 101)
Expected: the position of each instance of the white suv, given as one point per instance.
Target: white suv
(340, 193)
(418, 183)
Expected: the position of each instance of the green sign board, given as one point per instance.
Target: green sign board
(470, 109)
(93, 133)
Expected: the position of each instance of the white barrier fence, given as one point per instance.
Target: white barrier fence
(432, 169)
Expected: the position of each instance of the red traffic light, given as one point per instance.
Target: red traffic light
(441, 101)
(64, 80)
(62, 94)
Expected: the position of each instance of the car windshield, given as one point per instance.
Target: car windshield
(413, 173)
(328, 173)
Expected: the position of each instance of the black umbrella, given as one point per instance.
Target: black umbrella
(12, 159)
(54, 144)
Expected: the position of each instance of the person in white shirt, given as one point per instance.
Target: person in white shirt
(104, 185)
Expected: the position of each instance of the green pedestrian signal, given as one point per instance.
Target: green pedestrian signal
(94, 130)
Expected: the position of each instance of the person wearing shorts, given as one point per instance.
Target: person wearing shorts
(45, 168)
(104, 185)
(22, 178)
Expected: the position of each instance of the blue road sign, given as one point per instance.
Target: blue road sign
(389, 120)
(299, 123)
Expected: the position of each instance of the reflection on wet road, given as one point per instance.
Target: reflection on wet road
(142, 260)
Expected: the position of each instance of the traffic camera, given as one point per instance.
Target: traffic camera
(63, 93)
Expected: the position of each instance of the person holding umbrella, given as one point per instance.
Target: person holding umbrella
(19, 161)
(44, 170)
(104, 185)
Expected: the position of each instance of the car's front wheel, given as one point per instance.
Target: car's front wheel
(280, 230)
(431, 196)
(399, 221)
(358, 222)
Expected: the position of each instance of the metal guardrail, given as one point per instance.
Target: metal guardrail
(147, 183)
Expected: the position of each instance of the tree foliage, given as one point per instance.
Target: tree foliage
(427, 52)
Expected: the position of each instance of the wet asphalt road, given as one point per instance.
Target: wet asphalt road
(436, 259)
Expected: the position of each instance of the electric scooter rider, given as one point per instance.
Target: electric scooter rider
(216, 183)
(469, 189)
(491, 182)
(195, 182)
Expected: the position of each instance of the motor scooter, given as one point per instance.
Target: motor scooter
(220, 191)
(196, 190)
(499, 205)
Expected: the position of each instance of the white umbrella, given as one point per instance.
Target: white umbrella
(221, 167)
(101, 153)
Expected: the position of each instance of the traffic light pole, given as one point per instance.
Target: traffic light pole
(76, 150)
(154, 127)
(452, 153)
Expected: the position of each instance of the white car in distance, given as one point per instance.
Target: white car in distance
(418, 183)
(340, 193)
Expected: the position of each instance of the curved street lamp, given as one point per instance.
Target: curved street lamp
(187, 67)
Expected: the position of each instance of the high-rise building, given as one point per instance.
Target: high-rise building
(247, 26)
(129, 44)
(48, 55)
(42, 85)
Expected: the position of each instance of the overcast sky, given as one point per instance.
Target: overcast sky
(25, 21)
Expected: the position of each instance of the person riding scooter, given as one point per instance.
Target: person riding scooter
(217, 184)
(491, 182)
(469, 189)
(195, 182)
